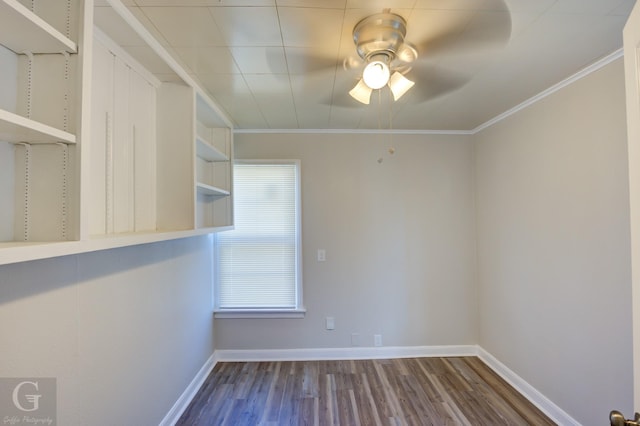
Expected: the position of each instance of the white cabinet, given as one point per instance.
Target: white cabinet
(123, 144)
(102, 143)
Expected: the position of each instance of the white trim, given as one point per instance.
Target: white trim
(556, 87)
(318, 354)
(555, 413)
(260, 313)
(190, 392)
(355, 131)
(299, 310)
(14, 252)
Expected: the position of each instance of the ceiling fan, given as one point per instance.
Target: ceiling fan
(380, 43)
(386, 59)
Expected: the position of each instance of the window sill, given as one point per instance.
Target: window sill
(260, 313)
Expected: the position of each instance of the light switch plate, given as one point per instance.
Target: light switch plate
(322, 255)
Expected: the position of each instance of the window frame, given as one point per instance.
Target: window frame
(299, 310)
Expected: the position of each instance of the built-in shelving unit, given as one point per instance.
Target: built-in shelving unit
(213, 163)
(155, 163)
(39, 121)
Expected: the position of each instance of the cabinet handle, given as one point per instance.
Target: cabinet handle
(108, 196)
(133, 178)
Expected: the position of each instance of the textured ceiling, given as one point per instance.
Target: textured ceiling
(278, 64)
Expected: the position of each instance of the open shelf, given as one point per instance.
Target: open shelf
(208, 152)
(205, 189)
(23, 31)
(15, 128)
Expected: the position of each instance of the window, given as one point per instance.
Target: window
(258, 269)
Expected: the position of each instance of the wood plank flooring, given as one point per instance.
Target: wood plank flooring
(417, 391)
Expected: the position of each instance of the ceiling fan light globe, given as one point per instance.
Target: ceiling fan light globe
(376, 74)
(399, 85)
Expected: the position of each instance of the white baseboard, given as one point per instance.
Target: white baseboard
(545, 405)
(344, 353)
(189, 393)
(554, 412)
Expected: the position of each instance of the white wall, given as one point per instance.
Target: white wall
(124, 331)
(398, 235)
(553, 246)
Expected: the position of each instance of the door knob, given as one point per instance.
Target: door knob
(617, 419)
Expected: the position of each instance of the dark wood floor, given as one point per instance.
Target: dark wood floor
(420, 391)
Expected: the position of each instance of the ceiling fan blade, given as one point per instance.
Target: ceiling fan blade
(483, 30)
(302, 61)
(432, 82)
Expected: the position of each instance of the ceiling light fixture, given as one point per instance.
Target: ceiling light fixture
(380, 42)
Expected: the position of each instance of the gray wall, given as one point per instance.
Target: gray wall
(553, 246)
(399, 241)
(124, 331)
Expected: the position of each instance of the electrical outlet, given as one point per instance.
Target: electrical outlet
(377, 339)
(355, 339)
(330, 323)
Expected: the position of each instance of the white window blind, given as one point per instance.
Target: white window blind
(258, 261)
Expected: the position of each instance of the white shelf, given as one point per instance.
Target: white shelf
(16, 128)
(208, 152)
(205, 189)
(23, 31)
(13, 252)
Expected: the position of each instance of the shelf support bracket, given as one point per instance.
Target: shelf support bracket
(26, 195)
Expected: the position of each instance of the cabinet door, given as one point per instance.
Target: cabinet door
(100, 214)
(123, 153)
(142, 116)
(122, 150)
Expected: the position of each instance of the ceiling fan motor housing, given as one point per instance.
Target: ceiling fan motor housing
(382, 33)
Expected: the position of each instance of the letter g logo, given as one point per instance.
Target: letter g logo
(33, 399)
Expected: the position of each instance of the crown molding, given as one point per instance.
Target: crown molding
(354, 131)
